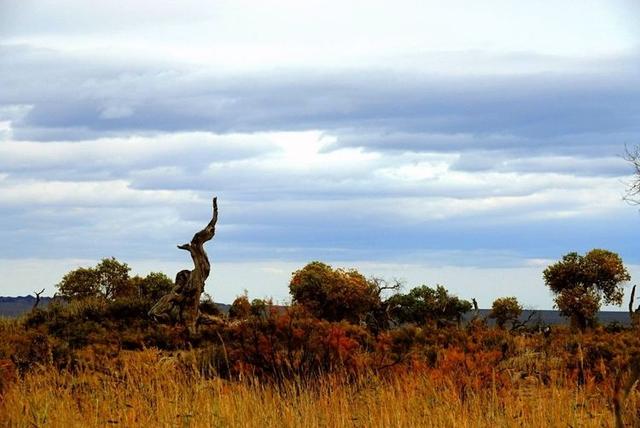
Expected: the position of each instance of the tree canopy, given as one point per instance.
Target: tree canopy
(582, 282)
(108, 279)
(423, 304)
(153, 286)
(505, 309)
(334, 294)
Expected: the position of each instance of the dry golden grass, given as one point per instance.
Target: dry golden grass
(147, 389)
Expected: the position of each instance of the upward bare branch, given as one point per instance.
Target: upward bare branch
(196, 246)
(35, 305)
(633, 191)
(181, 305)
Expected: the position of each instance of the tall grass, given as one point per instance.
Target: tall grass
(150, 389)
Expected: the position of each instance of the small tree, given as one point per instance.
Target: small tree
(581, 283)
(333, 294)
(261, 307)
(113, 278)
(423, 304)
(240, 308)
(108, 279)
(505, 309)
(151, 287)
(78, 284)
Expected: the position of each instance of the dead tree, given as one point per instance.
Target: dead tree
(517, 324)
(633, 314)
(35, 305)
(181, 304)
(379, 318)
(633, 190)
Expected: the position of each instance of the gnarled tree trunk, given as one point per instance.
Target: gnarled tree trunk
(181, 305)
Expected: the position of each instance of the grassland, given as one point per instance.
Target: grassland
(151, 388)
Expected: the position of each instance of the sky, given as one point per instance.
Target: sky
(469, 145)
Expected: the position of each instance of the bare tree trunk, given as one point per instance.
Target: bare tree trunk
(35, 305)
(181, 305)
(631, 299)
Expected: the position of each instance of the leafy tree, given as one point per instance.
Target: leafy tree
(109, 279)
(580, 305)
(260, 307)
(505, 309)
(582, 282)
(423, 304)
(79, 283)
(240, 308)
(113, 279)
(334, 294)
(151, 287)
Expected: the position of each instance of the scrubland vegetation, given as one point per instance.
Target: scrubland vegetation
(348, 351)
(151, 388)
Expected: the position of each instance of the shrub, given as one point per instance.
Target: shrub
(505, 309)
(240, 308)
(333, 294)
(423, 304)
(209, 307)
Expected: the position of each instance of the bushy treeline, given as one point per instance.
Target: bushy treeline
(337, 320)
(334, 313)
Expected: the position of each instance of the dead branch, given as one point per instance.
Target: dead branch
(516, 324)
(35, 305)
(633, 313)
(181, 305)
(633, 190)
(381, 285)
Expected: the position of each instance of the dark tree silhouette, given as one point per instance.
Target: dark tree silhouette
(37, 302)
(181, 304)
(633, 313)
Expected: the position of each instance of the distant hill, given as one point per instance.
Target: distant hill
(553, 317)
(14, 306)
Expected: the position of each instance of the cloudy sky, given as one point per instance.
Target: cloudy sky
(468, 145)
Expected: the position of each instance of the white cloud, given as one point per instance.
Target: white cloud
(116, 112)
(232, 34)
(376, 132)
(85, 193)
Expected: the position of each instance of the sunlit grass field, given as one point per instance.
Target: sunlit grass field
(149, 389)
